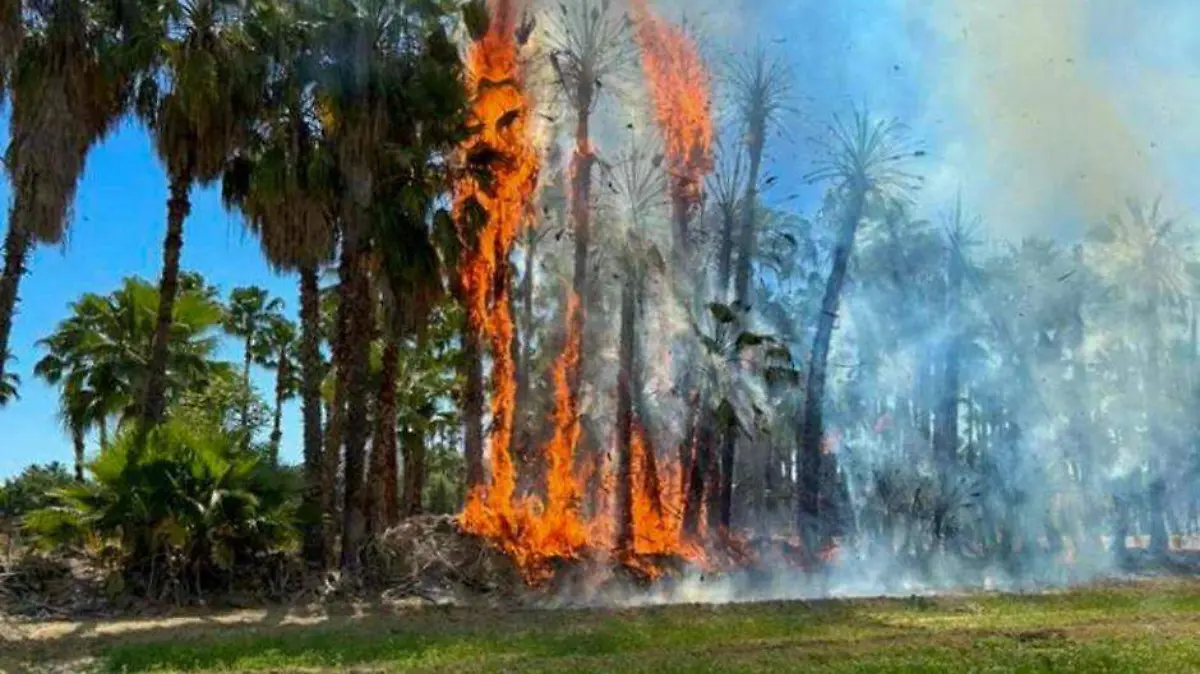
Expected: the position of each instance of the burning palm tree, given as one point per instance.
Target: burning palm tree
(491, 212)
(681, 91)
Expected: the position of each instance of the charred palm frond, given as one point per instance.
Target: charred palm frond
(963, 231)
(868, 155)
(639, 182)
(726, 185)
(588, 48)
(728, 181)
(761, 88)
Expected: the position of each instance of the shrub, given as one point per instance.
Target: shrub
(182, 513)
(26, 493)
(31, 489)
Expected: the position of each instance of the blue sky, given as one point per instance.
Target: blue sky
(117, 231)
(1043, 112)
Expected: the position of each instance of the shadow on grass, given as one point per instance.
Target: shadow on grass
(474, 639)
(459, 637)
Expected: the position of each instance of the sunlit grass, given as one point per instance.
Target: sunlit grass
(1145, 628)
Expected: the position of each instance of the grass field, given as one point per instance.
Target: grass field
(1148, 627)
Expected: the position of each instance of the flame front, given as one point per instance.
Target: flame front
(499, 108)
(658, 510)
(538, 529)
(680, 88)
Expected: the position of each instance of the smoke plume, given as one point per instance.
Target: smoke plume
(1038, 104)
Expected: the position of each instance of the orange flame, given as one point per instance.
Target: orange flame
(657, 510)
(533, 531)
(499, 109)
(680, 87)
(562, 490)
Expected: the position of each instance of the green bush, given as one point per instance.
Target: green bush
(181, 514)
(24, 494)
(31, 489)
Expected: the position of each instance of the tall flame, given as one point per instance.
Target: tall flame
(499, 109)
(562, 489)
(680, 88)
(534, 530)
(658, 508)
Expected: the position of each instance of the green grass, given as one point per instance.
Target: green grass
(1143, 628)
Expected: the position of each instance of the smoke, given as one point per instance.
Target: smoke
(1045, 127)
(1041, 122)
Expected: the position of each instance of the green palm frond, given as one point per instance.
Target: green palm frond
(10, 386)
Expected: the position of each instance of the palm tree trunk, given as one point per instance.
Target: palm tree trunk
(77, 439)
(625, 394)
(310, 366)
(697, 471)
(16, 253)
(524, 431)
(102, 425)
(473, 408)
(748, 239)
(281, 377)
(331, 463)
(725, 500)
(246, 359)
(414, 472)
(245, 411)
(178, 207)
(357, 302)
(945, 442)
(712, 480)
(384, 512)
(813, 432)
(581, 213)
(725, 250)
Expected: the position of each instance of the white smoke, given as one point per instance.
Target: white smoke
(1050, 114)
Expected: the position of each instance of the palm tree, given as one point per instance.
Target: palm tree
(862, 158)
(1144, 261)
(98, 355)
(725, 186)
(213, 84)
(283, 183)
(354, 85)
(70, 68)
(732, 361)
(276, 351)
(409, 281)
(641, 185)
(960, 238)
(588, 50)
(762, 85)
(250, 313)
(390, 82)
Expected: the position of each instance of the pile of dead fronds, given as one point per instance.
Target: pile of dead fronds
(433, 559)
(45, 586)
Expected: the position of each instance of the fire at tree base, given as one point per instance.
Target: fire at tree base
(434, 561)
